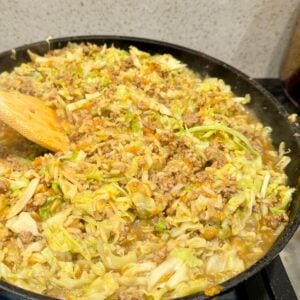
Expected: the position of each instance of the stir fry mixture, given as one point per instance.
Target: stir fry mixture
(170, 187)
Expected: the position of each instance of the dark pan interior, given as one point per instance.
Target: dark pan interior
(267, 109)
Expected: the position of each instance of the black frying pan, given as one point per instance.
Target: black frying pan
(267, 109)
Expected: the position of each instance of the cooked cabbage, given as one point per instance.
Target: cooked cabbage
(170, 187)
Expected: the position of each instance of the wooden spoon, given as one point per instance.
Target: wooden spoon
(33, 119)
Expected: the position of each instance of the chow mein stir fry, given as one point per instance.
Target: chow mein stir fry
(171, 186)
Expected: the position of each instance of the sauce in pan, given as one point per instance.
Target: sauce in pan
(171, 187)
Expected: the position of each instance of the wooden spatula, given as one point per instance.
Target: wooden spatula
(33, 119)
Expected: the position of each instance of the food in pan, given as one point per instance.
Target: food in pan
(171, 185)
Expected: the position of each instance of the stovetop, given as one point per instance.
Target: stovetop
(272, 282)
(273, 85)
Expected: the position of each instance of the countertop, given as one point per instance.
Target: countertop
(290, 259)
(250, 34)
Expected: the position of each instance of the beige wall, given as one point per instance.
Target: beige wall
(249, 34)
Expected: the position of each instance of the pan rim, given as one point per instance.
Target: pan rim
(277, 246)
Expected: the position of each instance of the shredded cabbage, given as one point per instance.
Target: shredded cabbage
(21, 203)
(220, 127)
(170, 187)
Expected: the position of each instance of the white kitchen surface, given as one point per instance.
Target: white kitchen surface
(290, 259)
(249, 34)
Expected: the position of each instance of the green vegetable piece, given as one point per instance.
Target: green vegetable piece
(188, 188)
(224, 233)
(277, 210)
(55, 187)
(45, 210)
(233, 132)
(106, 83)
(74, 155)
(136, 126)
(95, 174)
(19, 183)
(186, 256)
(160, 226)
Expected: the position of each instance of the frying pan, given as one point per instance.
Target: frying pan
(268, 110)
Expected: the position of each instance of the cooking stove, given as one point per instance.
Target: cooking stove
(272, 282)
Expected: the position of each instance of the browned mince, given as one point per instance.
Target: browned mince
(171, 185)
